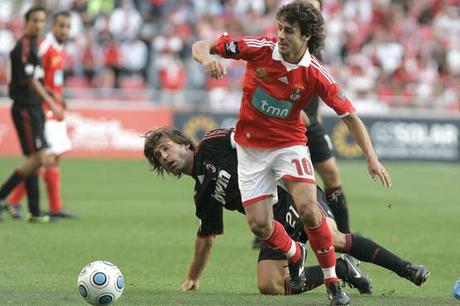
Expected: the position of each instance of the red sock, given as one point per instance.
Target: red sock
(321, 242)
(280, 240)
(53, 187)
(17, 194)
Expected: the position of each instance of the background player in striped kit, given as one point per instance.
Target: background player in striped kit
(28, 93)
(51, 51)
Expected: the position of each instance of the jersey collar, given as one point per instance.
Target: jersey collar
(50, 37)
(304, 62)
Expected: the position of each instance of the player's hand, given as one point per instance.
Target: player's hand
(190, 284)
(215, 69)
(59, 113)
(376, 169)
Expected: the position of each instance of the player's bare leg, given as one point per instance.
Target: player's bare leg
(328, 170)
(26, 171)
(259, 216)
(319, 235)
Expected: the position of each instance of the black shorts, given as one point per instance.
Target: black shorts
(29, 122)
(319, 143)
(267, 253)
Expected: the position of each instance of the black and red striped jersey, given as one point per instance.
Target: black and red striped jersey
(216, 181)
(25, 64)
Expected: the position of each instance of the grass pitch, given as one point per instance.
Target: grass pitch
(146, 226)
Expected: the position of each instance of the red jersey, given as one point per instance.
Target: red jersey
(52, 55)
(275, 92)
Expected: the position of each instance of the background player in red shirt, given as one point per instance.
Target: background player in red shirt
(281, 78)
(51, 51)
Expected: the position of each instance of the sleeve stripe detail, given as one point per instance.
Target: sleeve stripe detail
(331, 81)
(258, 43)
(324, 70)
(344, 115)
(25, 49)
(248, 40)
(260, 46)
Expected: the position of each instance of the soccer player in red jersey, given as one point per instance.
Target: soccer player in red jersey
(281, 77)
(51, 51)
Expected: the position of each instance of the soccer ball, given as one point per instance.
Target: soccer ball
(100, 283)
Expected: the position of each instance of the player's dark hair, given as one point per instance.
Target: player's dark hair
(60, 13)
(309, 19)
(153, 137)
(32, 10)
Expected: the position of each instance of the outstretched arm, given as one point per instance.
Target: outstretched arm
(203, 246)
(361, 136)
(202, 51)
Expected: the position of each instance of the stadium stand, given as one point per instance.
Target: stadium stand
(386, 54)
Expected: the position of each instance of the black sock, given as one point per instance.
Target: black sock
(341, 269)
(315, 278)
(367, 250)
(338, 205)
(14, 179)
(33, 194)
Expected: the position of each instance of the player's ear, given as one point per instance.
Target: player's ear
(306, 37)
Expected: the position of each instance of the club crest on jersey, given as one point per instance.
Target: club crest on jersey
(296, 93)
(232, 48)
(261, 73)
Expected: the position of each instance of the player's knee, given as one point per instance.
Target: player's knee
(330, 176)
(268, 287)
(42, 158)
(260, 227)
(309, 213)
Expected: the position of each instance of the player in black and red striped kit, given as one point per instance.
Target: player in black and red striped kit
(28, 93)
(213, 165)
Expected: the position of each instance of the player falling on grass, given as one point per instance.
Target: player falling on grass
(28, 93)
(281, 78)
(51, 50)
(213, 165)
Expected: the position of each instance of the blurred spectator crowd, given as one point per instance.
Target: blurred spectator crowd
(384, 53)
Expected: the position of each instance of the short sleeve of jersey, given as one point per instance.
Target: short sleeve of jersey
(211, 217)
(330, 92)
(244, 48)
